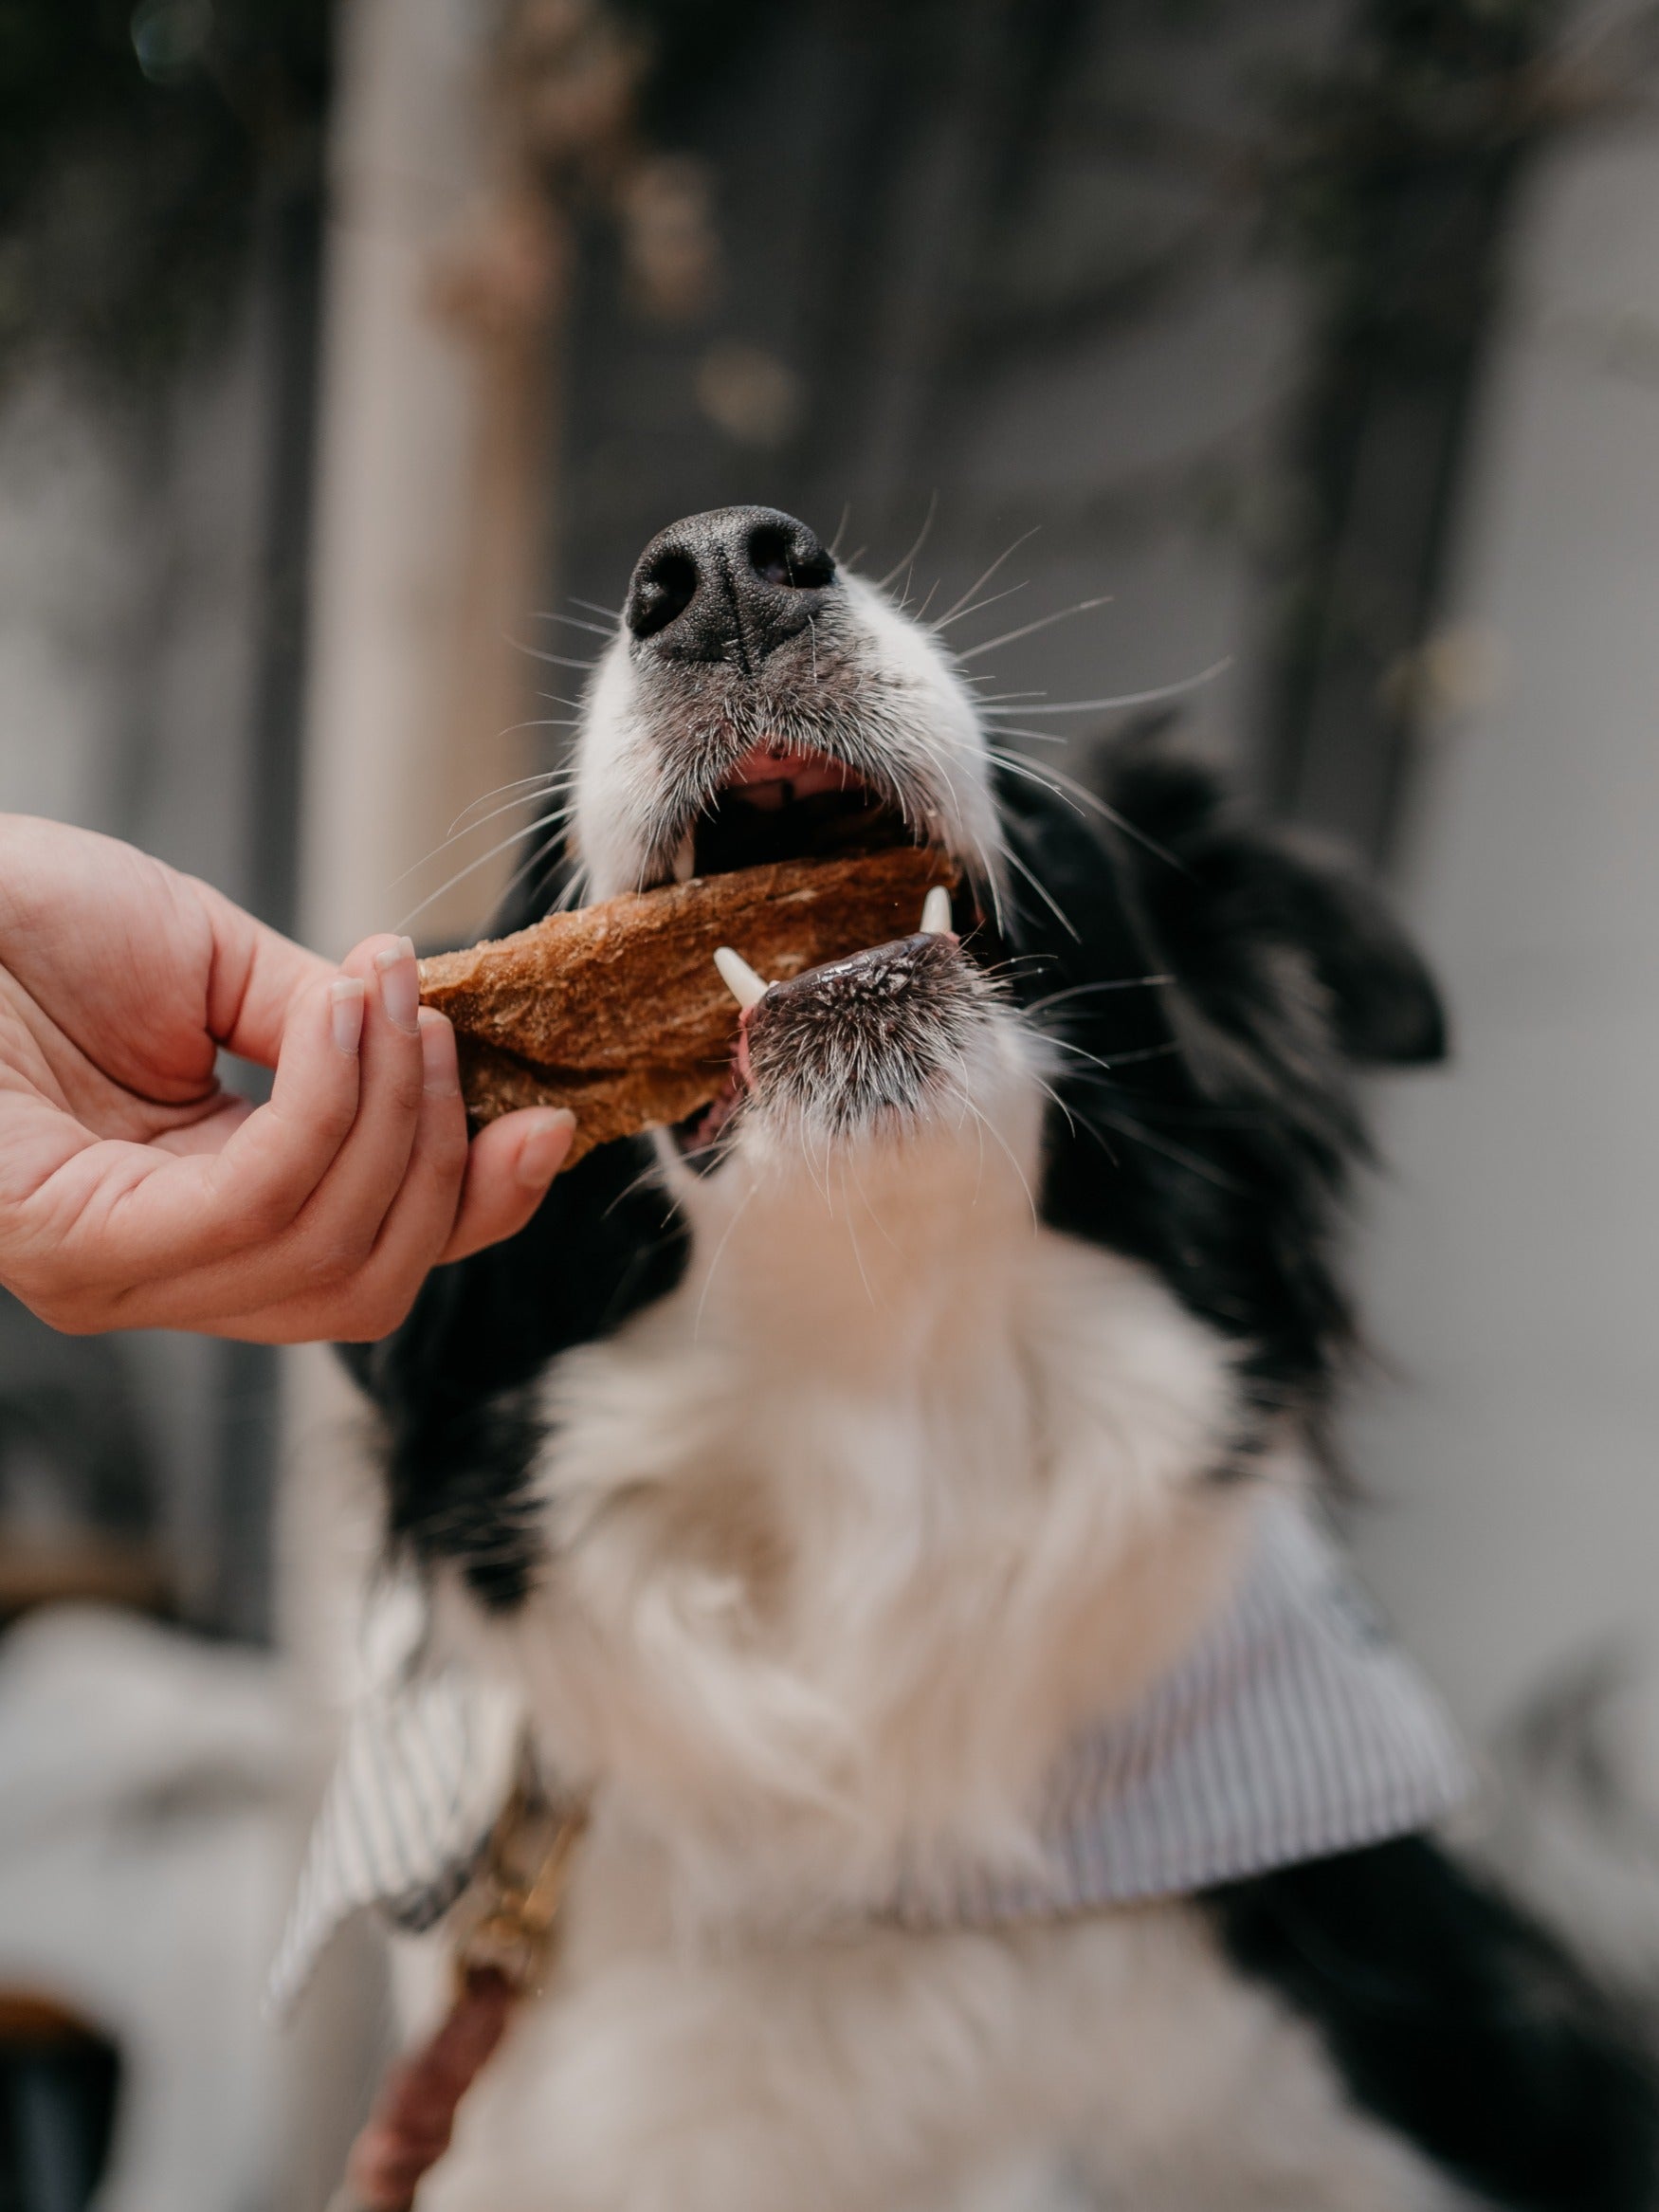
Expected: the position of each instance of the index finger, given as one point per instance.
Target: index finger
(128, 1217)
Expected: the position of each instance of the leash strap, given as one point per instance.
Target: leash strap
(500, 1957)
(414, 2114)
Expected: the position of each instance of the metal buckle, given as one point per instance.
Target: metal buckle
(521, 1889)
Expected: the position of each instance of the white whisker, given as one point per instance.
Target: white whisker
(548, 614)
(978, 607)
(1055, 1100)
(568, 896)
(1060, 785)
(852, 1240)
(461, 875)
(718, 1255)
(1149, 698)
(1043, 622)
(905, 559)
(646, 1175)
(526, 798)
(546, 780)
(553, 660)
(979, 582)
(881, 1225)
(1044, 894)
(1001, 1140)
(1179, 1152)
(1080, 990)
(1119, 1060)
(1017, 766)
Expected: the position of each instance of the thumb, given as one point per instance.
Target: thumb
(509, 1166)
(256, 979)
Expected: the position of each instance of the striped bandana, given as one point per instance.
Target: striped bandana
(1292, 1728)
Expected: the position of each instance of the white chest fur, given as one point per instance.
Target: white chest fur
(842, 1551)
(850, 1533)
(1111, 2064)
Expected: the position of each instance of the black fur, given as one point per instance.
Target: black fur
(1213, 1005)
(452, 1382)
(1457, 2022)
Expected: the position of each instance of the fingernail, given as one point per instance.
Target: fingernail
(542, 1154)
(400, 984)
(440, 1074)
(345, 999)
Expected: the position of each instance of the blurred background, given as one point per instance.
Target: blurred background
(348, 356)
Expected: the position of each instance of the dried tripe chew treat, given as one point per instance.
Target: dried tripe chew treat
(618, 1012)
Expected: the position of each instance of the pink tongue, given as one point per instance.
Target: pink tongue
(809, 772)
(724, 1104)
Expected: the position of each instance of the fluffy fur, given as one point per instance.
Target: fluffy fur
(813, 1486)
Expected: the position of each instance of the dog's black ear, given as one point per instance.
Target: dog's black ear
(1212, 989)
(1388, 1010)
(1232, 895)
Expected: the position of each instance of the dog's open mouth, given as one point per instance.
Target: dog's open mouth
(780, 804)
(777, 804)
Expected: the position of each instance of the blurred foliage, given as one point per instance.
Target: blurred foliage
(1429, 103)
(137, 147)
(1395, 184)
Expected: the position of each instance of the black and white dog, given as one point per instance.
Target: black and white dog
(815, 1472)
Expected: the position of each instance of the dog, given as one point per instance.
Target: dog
(817, 1473)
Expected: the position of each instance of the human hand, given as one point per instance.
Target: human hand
(137, 1193)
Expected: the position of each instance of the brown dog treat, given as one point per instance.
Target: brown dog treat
(617, 1010)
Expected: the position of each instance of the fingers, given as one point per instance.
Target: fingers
(505, 1181)
(309, 1251)
(112, 1221)
(508, 1169)
(451, 1198)
(454, 1199)
(423, 1212)
(325, 1209)
(274, 1162)
(346, 1215)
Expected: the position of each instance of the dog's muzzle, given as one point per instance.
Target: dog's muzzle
(864, 1040)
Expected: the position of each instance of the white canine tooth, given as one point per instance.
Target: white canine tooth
(684, 861)
(935, 912)
(739, 978)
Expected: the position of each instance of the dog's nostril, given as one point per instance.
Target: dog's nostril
(664, 592)
(733, 585)
(799, 563)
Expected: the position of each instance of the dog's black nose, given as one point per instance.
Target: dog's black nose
(731, 585)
